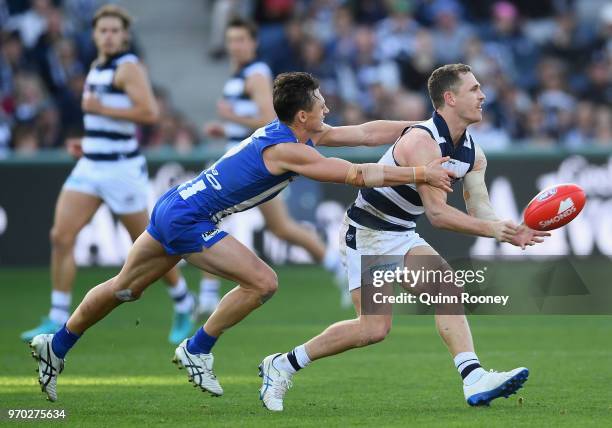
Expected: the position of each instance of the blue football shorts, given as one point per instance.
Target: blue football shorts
(180, 227)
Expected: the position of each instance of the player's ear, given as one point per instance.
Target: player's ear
(302, 116)
(449, 98)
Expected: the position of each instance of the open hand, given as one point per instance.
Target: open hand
(525, 236)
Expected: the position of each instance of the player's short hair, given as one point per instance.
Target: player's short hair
(445, 78)
(293, 92)
(114, 11)
(239, 22)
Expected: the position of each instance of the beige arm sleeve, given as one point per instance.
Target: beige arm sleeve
(378, 175)
(475, 191)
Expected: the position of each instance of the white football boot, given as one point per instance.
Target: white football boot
(199, 369)
(275, 384)
(49, 365)
(493, 385)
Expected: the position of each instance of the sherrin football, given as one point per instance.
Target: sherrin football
(554, 207)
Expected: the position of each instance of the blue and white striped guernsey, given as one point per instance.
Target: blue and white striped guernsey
(242, 104)
(106, 136)
(397, 208)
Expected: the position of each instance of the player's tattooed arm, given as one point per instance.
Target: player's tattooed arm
(132, 78)
(478, 204)
(475, 191)
(417, 147)
(308, 162)
(375, 133)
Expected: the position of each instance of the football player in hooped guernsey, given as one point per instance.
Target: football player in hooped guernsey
(183, 222)
(382, 222)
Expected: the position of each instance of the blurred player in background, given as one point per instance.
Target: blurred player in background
(382, 221)
(110, 170)
(184, 223)
(246, 106)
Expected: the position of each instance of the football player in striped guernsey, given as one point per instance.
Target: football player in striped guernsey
(382, 222)
(111, 169)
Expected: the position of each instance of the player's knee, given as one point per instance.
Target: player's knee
(375, 333)
(60, 240)
(125, 292)
(267, 284)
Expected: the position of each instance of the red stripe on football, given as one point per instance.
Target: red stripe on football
(554, 207)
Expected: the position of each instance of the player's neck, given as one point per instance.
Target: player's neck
(456, 125)
(237, 65)
(103, 57)
(301, 134)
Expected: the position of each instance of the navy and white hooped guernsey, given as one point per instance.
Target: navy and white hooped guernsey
(234, 91)
(397, 208)
(184, 219)
(106, 136)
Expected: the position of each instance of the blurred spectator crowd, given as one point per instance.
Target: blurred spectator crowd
(545, 66)
(45, 52)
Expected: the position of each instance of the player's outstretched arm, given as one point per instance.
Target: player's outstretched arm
(416, 148)
(132, 78)
(375, 133)
(306, 161)
(478, 204)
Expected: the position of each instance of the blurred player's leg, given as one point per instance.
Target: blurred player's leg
(73, 211)
(184, 301)
(281, 224)
(147, 261)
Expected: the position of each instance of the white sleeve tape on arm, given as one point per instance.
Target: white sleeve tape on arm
(373, 174)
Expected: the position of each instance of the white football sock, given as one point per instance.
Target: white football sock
(60, 306)
(208, 287)
(464, 360)
(183, 299)
(331, 260)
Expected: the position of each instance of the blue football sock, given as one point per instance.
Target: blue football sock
(62, 341)
(201, 342)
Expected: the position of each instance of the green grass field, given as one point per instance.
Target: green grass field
(120, 374)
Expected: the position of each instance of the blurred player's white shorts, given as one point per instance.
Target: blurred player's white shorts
(121, 184)
(356, 240)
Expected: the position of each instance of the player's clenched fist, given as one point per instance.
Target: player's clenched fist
(438, 176)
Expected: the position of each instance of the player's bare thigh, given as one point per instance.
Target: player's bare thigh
(274, 211)
(232, 260)
(147, 261)
(135, 223)
(73, 210)
(427, 259)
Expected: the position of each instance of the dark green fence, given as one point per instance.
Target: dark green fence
(29, 188)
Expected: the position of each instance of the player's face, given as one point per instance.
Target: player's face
(240, 45)
(109, 35)
(316, 116)
(469, 99)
